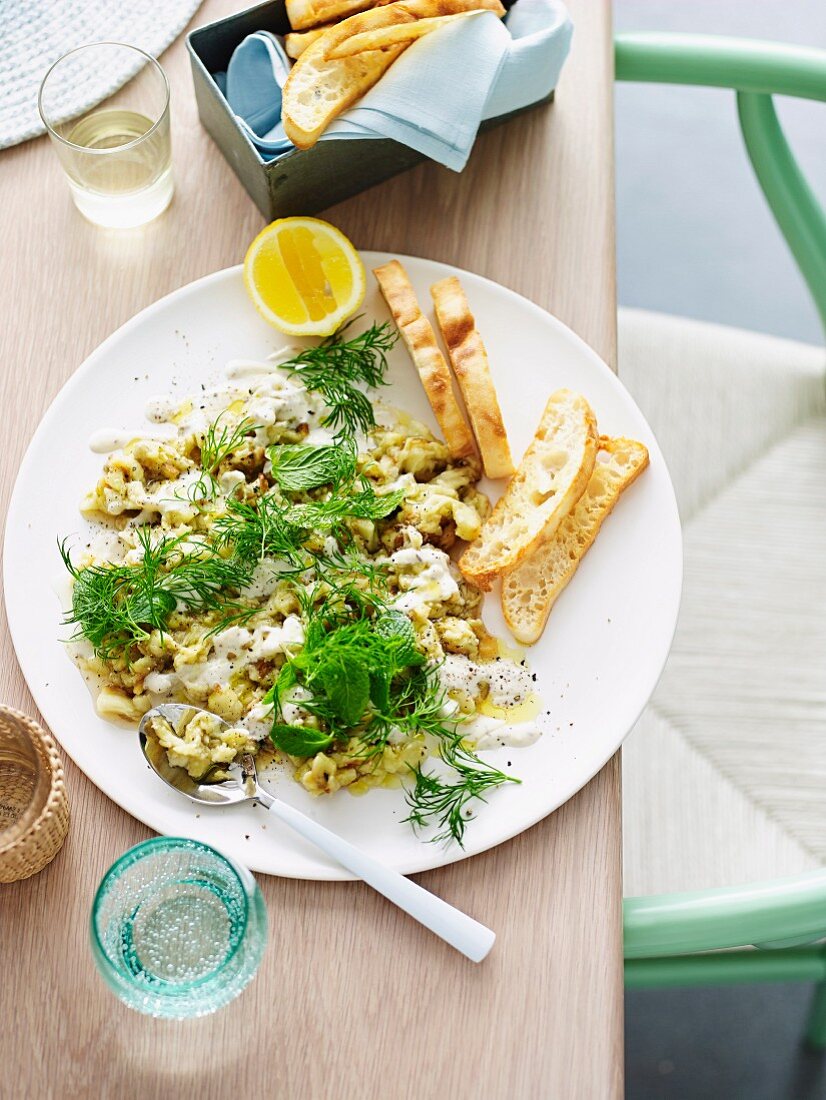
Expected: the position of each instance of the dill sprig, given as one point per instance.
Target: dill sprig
(445, 801)
(115, 606)
(219, 442)
(420, 708)
(344, 567)
(258, 529)
(335, 369)
(273, 527)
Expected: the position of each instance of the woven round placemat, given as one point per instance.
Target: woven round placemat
(43, 839)
(35, 33)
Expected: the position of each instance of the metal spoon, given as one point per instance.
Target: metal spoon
(470, 937)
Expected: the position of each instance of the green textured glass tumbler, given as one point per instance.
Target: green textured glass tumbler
(177, 929)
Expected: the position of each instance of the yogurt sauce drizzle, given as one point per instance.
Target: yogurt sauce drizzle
(510, 697)
(268, 396)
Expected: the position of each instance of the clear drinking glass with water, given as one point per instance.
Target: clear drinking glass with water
(177, 929)
(117, 156)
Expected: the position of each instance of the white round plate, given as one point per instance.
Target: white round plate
(596, 665)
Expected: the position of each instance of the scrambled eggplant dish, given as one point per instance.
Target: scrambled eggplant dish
(276, 551)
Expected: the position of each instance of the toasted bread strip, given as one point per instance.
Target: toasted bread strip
(319, 87)
(470, 365)
(296, 43)
(420, 339)
(304, 14)
(404, 22)
(531, 589)
(316, 91)
(550, 480)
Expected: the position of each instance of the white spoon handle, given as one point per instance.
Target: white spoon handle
(459, 930)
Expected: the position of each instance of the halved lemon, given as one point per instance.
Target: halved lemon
(304, 276)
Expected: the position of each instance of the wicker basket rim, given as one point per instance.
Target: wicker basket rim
(47, 748)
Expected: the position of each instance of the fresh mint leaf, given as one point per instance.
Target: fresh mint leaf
(299, 740)
(347, 687)
(297, 467)
(285, 680)
(368, 504)
(396, 630)
(380, 690)
(322, 515)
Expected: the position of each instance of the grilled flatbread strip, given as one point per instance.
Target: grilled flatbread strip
(550, 480)
(470, 365)
(304, 14)
(420, 339)
(296, 43)
(403, 22)
(530, 590)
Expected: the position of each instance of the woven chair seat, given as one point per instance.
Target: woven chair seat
(724, 776)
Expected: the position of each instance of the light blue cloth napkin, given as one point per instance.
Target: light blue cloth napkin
(433, 98)
(540, 38)
(252, 86)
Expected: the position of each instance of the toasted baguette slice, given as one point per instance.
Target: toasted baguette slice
(470, 365)
(317, 91)
(550, 480)
(405, 21)
(304, 14)
(418, 335)
(296, 43)
(530, 590)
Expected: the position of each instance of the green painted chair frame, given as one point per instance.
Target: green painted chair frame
(769, 931)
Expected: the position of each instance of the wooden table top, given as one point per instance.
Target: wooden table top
(353, 999)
